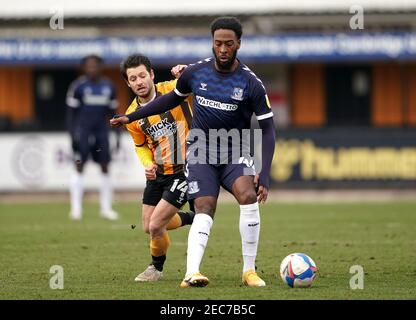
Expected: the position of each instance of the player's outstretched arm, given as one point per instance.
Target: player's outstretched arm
(159, 105)
(268, 145)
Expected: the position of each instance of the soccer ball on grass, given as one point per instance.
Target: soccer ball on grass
(298, 270)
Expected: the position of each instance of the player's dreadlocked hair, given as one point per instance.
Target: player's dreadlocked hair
(229, 23)
(134, 61)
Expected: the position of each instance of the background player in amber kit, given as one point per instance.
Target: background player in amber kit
(160, 145)
(225, 95)
(91, 100)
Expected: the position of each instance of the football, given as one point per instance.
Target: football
(298, 270)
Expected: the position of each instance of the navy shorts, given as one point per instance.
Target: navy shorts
(206, 179)
(95, 143)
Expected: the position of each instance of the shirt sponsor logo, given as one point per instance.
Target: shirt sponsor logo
(216, 104)
(96, 100)
(162, 128)
(101, 98)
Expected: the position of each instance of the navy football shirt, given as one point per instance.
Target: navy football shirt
(93, 100)
(223, 100)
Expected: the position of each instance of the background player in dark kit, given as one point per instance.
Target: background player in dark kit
(91, 99)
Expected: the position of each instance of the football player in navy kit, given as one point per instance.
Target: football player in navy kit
(225, 95)
(91, 99)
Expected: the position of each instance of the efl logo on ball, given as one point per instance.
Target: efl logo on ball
(298, 270)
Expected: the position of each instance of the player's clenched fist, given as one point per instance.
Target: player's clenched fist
(177, 70)
(118, 121)
(150, 172)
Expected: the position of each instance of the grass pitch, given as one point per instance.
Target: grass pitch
(101, 258)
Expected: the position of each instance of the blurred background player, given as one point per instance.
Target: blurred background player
(160, 145)
(91, 99)
(226, 94)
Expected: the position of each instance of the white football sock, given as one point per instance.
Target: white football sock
(197, 241)
(249, 231)
(106, 193)
(76, 190)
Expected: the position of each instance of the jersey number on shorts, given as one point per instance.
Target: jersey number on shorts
(182, 187)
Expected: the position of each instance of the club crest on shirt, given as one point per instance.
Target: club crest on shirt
(87, 91)
(106, 91)
(238, 94)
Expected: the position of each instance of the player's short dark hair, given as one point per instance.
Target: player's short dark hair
(228, 23)
(95, 57)
(134, 61)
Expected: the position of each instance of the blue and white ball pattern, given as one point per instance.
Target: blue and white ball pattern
(298, 270)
